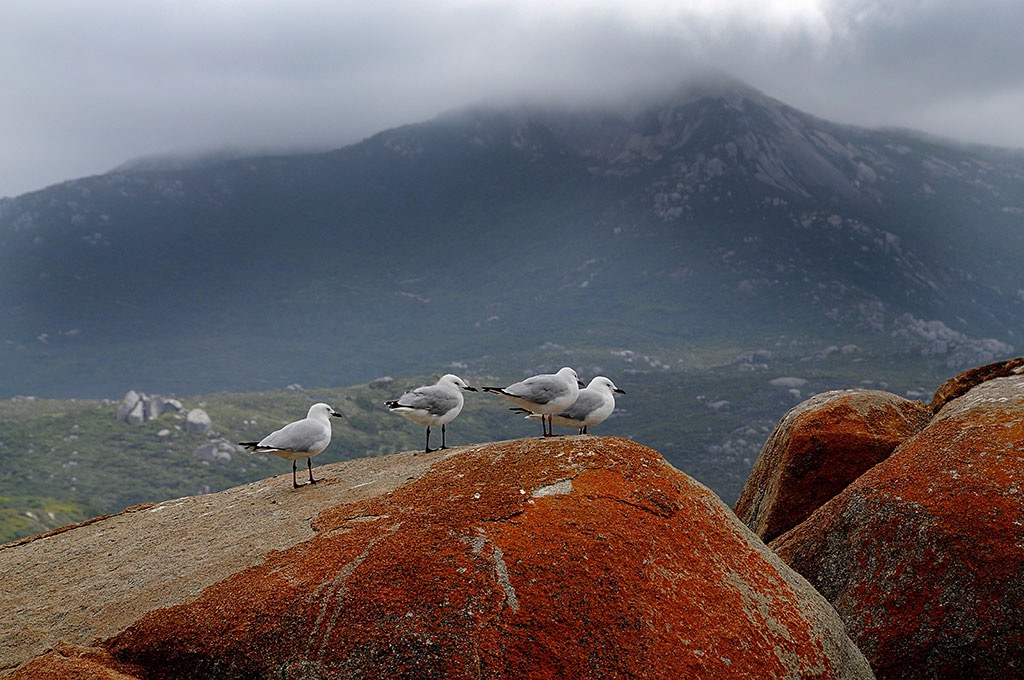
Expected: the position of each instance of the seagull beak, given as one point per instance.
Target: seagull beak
(337, 414)
(620, 390)
(470, 389)
(580, 383)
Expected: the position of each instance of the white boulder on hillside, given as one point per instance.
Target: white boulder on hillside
(138, 407)
(197, 421)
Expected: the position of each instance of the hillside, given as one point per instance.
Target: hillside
(714, 216)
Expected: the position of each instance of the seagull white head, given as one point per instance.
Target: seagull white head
(322, 410)
(601, 382)
(455, 380)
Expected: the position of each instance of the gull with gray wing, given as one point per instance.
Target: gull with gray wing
(543, 395)
(302, 439)
(592, 407)
(436, 404)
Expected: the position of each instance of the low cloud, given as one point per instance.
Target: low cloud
(91, 85)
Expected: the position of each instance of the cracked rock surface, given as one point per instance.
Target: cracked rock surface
(566, 557)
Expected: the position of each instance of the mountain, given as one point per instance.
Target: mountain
(715, 217)
(717, 253)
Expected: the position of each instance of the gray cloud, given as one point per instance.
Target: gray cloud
(90, 85)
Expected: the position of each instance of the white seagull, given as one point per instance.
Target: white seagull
(302, 439)
(543, 395)
(594, 404)
(436, 404)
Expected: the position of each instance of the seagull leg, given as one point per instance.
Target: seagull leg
(444, 445)
(295, 483)
(309, 464)
(427, 449)
(549, 430)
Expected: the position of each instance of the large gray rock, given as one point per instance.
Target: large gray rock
(197, 421)
(137, 415)
(218, 452)
(128, 405)
(137, 407)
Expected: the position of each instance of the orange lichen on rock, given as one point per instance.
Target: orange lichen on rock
(961, 384)
(83, 663)
(923, 555)
(570, 557)
(818, 448)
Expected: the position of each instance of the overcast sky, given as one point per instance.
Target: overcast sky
(88, 85)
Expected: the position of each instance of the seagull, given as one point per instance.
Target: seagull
(436, 404)
(592, 407)
(543, 395)
(302, 439)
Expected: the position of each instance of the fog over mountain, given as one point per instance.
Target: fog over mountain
(94, 84)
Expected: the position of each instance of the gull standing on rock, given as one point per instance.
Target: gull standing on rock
(302, 439)
(436, 404)
(594, 404)
(543, 395)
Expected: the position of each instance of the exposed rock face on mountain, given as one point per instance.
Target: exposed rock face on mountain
(922, 554)
(817, 449)
(575, 557)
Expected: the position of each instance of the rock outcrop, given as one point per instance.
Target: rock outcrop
(197, 421)
(216, 452)
(961, 384)
(923, 554)
(817, 449)
(573, 557)
(137, 407)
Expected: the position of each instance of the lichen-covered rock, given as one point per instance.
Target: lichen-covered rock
(923, 555)
(578, 557)
(66, 661)
(955, 387)
(817, 449)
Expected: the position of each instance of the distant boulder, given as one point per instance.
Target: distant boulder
(788, 382)
(922, 555)
(137, 408)
(817, 449)
(137, 415)
(128, 404)
(218, 452)
(197, 421)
